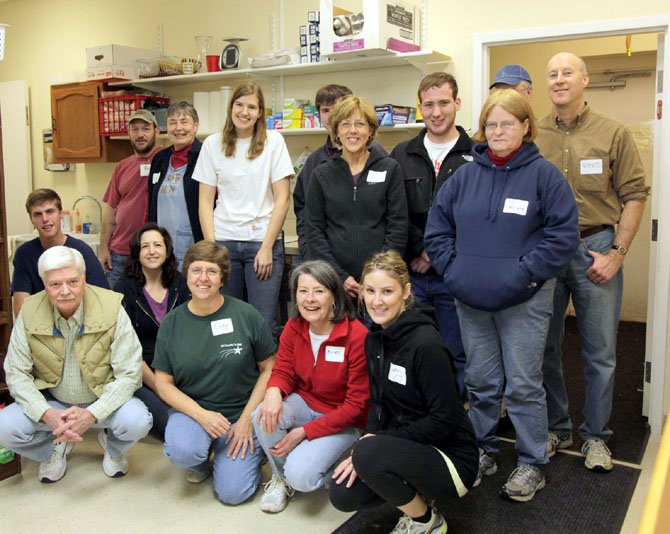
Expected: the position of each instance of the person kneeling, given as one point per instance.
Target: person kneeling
(321, 375)
(73, 363)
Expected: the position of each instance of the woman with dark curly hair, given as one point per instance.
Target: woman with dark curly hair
(151, 287)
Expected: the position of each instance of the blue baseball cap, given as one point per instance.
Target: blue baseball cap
(511, 75)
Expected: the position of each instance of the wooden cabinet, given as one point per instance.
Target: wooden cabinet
(76, 128)
(13, 467)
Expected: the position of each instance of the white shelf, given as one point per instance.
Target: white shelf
(309, 131)
(418, 60)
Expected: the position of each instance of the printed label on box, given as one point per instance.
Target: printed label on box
(353, 44)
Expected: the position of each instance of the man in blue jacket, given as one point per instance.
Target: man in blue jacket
(427, 161)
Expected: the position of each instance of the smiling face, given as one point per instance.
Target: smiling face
(181, 130)
(566, 80)
(504, 132)
(245, 112)
(65, 289)
(315, 303)
(354, 132)
(46, 219)
(384, 297)
(142, 136)
(152, 250)
(438, 108)
(204, 280)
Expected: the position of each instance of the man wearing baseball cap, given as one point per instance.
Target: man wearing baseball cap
(126, 195)
(514, 77)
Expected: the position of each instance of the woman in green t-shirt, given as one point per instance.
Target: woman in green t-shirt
(213, 358)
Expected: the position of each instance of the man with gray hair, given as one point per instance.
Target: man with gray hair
(73, 363)
(514, 77)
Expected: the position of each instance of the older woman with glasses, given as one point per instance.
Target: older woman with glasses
(213, 360)
(356, 203)
(499, 231)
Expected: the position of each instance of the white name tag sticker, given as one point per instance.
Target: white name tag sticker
(155, 177)
(144, 169)
(222, 326)
(398, 374)
(376, 177)
(258, 230)
(591, 166)
(515, 206)
(335, 354)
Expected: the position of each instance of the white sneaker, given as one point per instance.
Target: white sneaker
(54, 468)
(436, 525)
(276, 495)
(113, 467)
(194, 476)
(598, 456)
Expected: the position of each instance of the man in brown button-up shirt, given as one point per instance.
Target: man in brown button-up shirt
(599, 159)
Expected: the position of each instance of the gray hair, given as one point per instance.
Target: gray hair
(325, 275)
(183, 107)
(60, 257)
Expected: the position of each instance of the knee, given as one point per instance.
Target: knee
(301, 477)
(341, 498)
(228, 492)
(12, 432)
(366, 454)
(133, 421)
(183, 454)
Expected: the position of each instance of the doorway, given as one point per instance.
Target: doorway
(659, 246)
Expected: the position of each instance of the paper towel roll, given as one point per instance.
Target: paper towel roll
(215, 113)
(201, 105)
(226, 93)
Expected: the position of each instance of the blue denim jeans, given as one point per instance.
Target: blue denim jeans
(597, 309)
(505, 350)
(188, 445)
(306, 466)
(118, 266)
(127, 425)
(262, 294)
(430, 290)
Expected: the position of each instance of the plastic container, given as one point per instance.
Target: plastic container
(115, 111)
(66, 222)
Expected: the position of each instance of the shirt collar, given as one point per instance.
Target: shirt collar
(74, 322)
(580, 119)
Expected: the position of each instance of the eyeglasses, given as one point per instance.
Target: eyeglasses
(505, 125)
(70, 284)
(197, 272)
(346, 125)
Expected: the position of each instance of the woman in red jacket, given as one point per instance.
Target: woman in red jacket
(317, 397)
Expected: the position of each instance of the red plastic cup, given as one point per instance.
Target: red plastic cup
(213, 63)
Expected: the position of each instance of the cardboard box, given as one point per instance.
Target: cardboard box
(389, 114)
(366, 33)
(104, 72)
(112, 54)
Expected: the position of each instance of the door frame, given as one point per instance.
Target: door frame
(656, 347)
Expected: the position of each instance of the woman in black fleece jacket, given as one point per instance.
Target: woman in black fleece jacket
(419, 444)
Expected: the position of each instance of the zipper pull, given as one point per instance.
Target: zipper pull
(355, 187)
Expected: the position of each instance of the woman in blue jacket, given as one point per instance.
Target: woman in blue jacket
(499, 231)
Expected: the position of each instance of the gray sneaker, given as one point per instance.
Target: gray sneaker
(522, 484)
(487, 467)
(558, 441)
(436, 525)
(598, 456)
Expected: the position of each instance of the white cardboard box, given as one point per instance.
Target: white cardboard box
(117, 55)
(103, 72)
(368, 31)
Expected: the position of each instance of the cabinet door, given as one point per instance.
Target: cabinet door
(74, 116)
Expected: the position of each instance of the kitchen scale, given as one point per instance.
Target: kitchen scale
(231, 55)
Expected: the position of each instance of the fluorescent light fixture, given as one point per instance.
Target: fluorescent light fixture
(609, 85)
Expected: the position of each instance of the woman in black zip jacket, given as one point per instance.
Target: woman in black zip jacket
(151, 287)
(356, 203)
(418, 445)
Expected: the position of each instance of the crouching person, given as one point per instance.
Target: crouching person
(73, 363)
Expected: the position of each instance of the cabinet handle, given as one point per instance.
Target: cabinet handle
(53, 124)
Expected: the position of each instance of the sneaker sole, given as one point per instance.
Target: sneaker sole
(522, 498)
(565, 444)
(599, 468)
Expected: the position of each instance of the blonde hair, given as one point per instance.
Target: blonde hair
(512, 102)
(259, 137)
(346, 108)
(391, 263)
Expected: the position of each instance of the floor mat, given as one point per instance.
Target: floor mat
(574, 500)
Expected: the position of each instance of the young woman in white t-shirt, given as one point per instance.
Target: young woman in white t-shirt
(247, 170)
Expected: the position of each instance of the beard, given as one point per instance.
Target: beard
(143, 151)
